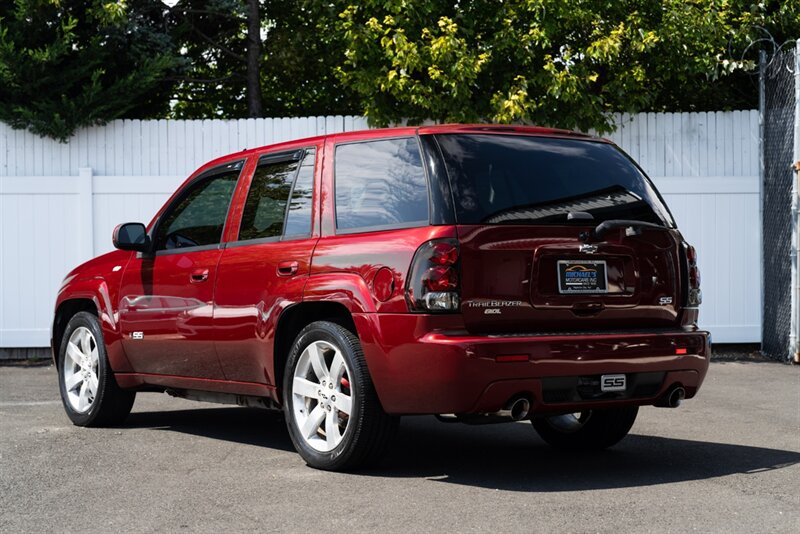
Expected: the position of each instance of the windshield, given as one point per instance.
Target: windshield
(514, 179)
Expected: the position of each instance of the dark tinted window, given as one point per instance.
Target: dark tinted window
(265, 209)
(199, 215)
(298, 219)
(380, 183)
(511, 179)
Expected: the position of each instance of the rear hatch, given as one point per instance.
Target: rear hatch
(532, 256)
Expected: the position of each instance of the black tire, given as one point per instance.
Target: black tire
(111, 404)
(594, 430)
(368, 431)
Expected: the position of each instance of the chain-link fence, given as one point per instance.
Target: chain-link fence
(778, 127)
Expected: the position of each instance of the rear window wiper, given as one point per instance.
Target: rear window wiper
(605, 226)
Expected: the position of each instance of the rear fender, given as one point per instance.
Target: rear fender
(349, 290)
(352, 292)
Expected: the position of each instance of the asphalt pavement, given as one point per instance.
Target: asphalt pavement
(726, 461)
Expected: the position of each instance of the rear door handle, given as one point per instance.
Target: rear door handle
(287, 268)
(199, 275)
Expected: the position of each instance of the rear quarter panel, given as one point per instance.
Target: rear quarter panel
(349, 264)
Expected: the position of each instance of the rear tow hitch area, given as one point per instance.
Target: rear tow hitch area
(516, 409)
(673, 398)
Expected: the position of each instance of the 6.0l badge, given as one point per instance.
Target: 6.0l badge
(494, 307)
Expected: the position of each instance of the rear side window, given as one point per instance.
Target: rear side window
(514, 179)
(278, 179)
(380, 184)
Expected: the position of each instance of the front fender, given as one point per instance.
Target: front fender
(97, 290)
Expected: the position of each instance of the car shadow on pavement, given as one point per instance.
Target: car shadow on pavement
(249, 426)
(512, 457)
(506, 456)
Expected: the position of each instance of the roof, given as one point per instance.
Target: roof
(501, 128)
(410, 130)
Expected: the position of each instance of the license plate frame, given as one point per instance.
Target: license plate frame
(583, 282)
(613, 383)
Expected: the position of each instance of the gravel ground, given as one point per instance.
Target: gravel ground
(727, 461)
(737, 353)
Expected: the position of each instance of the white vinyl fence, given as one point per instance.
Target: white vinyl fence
(706, 165)
(59, 202)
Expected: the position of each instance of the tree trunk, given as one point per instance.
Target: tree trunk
(253, 59)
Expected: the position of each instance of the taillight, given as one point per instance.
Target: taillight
(433, 282)
(694, 277)
(441, 278)
(695, 296)
(691, 254)
(444, 252)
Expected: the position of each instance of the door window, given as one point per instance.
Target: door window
(197, 218)
(268, 212)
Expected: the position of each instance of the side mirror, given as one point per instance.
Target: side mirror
(131, 236)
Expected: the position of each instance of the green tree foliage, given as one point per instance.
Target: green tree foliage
(297, 67)
(566, 63)
(65, 64)
(212, 40)
(300, 60)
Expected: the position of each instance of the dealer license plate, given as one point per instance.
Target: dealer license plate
(578, 276)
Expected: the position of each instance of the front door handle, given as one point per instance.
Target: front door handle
(199, 275)
(287, 268)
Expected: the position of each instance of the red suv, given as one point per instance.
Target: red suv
(479, 273)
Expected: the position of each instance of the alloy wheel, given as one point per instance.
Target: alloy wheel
(322, 396)
(81, 363)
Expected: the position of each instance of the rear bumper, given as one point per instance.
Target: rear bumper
(418, 368)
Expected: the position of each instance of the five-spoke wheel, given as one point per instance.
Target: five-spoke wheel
(89, 391)
(80, 369)
(321, 396)
(333, 414)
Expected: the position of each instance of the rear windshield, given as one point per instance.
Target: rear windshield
(513, 179)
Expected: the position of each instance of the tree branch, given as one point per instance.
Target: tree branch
(189, 79)
(214, 13)
(218, 45)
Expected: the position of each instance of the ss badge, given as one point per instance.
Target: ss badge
(612, 383)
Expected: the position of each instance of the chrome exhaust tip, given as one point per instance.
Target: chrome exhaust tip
(675, 397)
(518, 409)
